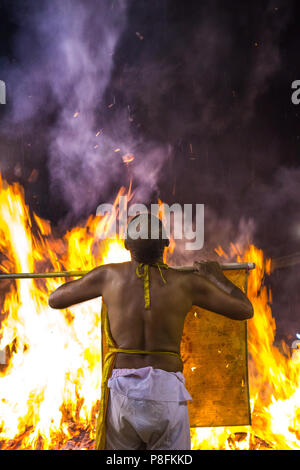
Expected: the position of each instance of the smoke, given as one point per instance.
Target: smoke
(66, 54)
(197, 92)
(202, 98)
(100, 81)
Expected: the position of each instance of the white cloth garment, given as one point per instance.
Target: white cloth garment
(149, 384)
(147, 409)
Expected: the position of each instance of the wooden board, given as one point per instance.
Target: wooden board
(214, 352)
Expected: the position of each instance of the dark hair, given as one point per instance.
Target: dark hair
(146, 250)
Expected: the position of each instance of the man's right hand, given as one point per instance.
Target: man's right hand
(217, 293)
(208, 268)
(213, 271)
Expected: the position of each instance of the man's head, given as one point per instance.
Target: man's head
(146, 238)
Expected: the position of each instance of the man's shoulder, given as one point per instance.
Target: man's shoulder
(104, 273)
(181, 273)
(111, 268)
(188, 280)
(118, 266)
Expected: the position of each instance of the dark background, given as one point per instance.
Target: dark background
(199, 92)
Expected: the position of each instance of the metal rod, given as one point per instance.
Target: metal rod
(43, 275)
(224, 267)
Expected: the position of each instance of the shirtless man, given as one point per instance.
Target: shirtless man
(147, 406)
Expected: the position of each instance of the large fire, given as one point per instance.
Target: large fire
(50, 386)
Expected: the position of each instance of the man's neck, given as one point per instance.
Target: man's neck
(159, 260)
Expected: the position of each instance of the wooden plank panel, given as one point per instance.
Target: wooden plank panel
(214, 352)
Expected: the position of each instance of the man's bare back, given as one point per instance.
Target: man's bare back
(160, 327)
(149, 327)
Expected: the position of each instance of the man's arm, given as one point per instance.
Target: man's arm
(74, 292)
(213, 291)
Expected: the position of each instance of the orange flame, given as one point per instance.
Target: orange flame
(50, 389)
(51, 386)
(274, 379)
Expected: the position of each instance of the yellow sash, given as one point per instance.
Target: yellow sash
(109, 354)
(145, 275)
